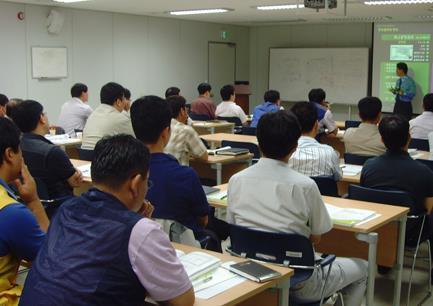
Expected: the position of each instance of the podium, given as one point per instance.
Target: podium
(242, 92)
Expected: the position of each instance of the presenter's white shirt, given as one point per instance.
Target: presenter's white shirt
(270, 196)
(421, 126)
(73, 116)
(230, 109)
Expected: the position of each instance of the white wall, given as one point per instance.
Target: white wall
(145, 54)
(300, 36)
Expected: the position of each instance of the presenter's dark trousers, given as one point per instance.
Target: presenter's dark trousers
(403, 109)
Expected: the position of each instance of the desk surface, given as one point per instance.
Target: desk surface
(77, 163)
(243, 291)
(341, 124)
(67, 142)
(218, 137)
(387, 213)
(210, 124)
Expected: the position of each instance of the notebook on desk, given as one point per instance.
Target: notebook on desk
(233, 151)
(254, 271)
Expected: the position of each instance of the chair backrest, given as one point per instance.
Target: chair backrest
(84, 154)
(247, 130)
(354, 159)
(428, 163)
(351, 124)
(419, 144)
(384, 196)
(234, 120)
(199, 117)
(178, 233)
(252, 147)
(327, 185)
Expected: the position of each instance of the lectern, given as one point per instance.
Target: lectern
(242, 92)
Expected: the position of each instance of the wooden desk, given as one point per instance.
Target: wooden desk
(380, 239)
(248, 292)
(225, 166)
(212, 127)
(69, 145)
(341, 124)
(215, 140)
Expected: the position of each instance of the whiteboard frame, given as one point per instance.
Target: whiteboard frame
(53, 77)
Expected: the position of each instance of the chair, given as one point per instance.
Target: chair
(247, 130)
(253, 148)
(84, 154)
(354, 159)
(415, 222)
(50, 205)
(428, 163)
(327, 185)
(290, 250)
(351, 124)
(199, 117)
(178, 233)
(236, 121)
(419, 144)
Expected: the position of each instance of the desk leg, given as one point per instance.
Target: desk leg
(400, 258)
(283, 296)
(371, 239)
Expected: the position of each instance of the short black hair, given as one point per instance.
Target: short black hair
(203, 88)
(427, 102)
(402, 66)
(176, 103)
(316, 95)
(27, 114)
(369, 108)
(110, 92)
(227, 91)
(117, 158)
(3, 100)
(78, 89)
(127, 93)
(278, 134)
(172, 91)
(11, 106)
(272, 96)
(150, 115)
(9, 137)
(394, 130)
(306, 114)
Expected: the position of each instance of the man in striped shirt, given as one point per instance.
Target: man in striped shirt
(312, 158)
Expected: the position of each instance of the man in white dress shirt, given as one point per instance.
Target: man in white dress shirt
(312, 158)
(228, 108)
(74, 113)
(422, 125)
(269, 196)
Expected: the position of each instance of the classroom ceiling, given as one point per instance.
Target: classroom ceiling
(245, 13)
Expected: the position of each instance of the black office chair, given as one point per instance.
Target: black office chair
(236, 121)
(351, 124)
(252, 147)
(247, 130)
(419, 144)
(354, 159)
(428, 163)
(290, 250)
(199, 117)
(327, 185)
(84, 154)
(415, 223)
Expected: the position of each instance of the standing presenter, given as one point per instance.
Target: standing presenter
(404, 92)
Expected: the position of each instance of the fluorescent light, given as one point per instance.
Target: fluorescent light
(69, 1)
(385, 2)
(279, 7)
(196, 12)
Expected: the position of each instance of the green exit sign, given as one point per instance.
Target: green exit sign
(224, 35)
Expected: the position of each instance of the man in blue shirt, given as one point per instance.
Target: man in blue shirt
(22, 226)
(405, 90)
(177, 193)
(271, 104)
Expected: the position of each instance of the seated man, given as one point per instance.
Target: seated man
(22, 226)
(271, 104)
(397, 170)
(127, 105)
(172, 91)
(270, 196)
(312, 158)
(422, 125)
(101, 248)
(365, 139)
(203, 104)
(184, 140)
(46, 161)
(177, 192)
(107, 119)
(228, 107)
(74, 113)
(324, 114)
(3, 104)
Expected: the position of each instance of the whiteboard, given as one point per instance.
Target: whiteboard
(341, 72)
(49, 62)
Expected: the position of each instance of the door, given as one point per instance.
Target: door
(222, 66)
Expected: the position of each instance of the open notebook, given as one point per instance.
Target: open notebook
(349, 216)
